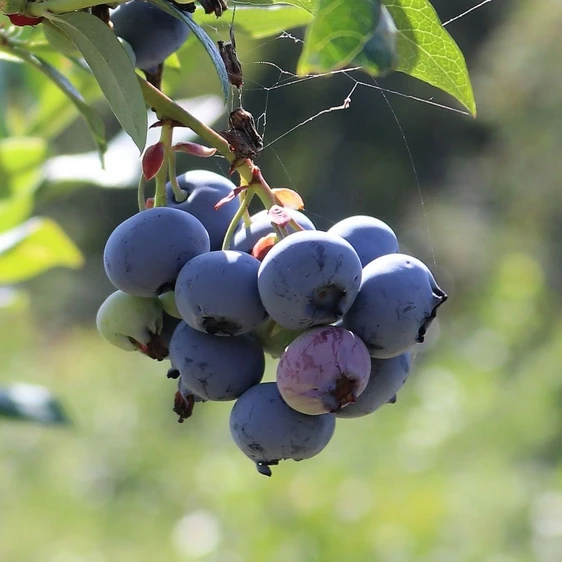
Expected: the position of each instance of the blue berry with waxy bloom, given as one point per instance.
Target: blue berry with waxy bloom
(203, 190)
(267, 430)
(308, 279)
(217, 293)
(397, 301)
(214, 367)
(144, 254)
(370, 237)
(152, 33)
(386, 379)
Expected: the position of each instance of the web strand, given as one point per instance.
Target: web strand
(466, 12)
(286, 79)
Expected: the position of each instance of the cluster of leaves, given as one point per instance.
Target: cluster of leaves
(338, 34)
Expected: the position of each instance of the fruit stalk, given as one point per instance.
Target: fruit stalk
(38, 9)
(166, 108)
(242, 210)
(166, 134)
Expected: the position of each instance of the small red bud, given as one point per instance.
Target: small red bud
(149, 203)
(20, 20)
(152, 160)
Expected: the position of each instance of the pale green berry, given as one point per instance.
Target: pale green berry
(132, 323)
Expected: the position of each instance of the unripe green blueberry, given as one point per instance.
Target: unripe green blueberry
(168, 300)
(133, 324)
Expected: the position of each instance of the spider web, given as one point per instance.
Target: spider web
(286, 79)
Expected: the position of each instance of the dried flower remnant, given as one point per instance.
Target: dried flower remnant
(233, 67)
(242, 136)
(214, 6)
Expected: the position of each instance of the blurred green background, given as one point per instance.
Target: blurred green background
(465, 467)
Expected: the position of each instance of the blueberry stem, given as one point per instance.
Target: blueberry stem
(245, 199)
(166, 133)
(166, 108)
(180, 194)
(54, 6)
(141, 197)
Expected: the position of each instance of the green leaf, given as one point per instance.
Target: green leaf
(427, 51)
(173, 61)
(20, 161)
(112, 68)
(29, 402)
(33, 247)
(21, 167)
(259, 21)
(93, 118)
(379, 55)
(308, 5)
(338, 34)
(14, 211)
(204, 39)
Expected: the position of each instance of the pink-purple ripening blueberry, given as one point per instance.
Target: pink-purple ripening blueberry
(323, 370)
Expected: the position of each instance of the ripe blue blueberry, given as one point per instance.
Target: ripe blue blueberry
(152, 33)
(396, 303)
(144, 254)
(204, 189)
(217, 293)
(216, 368)
(386, 379)
(245, 238)
(308, 279)
(370, 237)
(268, 431)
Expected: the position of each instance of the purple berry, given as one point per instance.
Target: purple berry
(323, 370)
(267, 430)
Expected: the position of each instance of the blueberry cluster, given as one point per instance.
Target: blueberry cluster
(341, 309)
